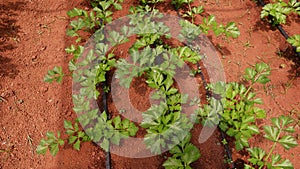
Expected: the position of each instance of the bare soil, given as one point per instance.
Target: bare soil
(33, 39)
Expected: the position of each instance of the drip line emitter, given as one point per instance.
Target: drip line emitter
(279, 27)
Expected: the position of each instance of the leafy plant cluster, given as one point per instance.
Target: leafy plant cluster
(93, 20)
(277, 12)
(235, 111)
(166, 126)
(52, 142)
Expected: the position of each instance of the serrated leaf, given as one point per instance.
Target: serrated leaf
(76, 146)
(191, 154)
(54, 149)
(250, 74)
(42, 149)
(117, 122)
(172, 163)
(104, 144)
(254, 129)
(288, 142)
(68, 124)
(272, 133)
(72, 139)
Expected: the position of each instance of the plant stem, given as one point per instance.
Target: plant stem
(190, 8)
(272, 149)
(248, 90)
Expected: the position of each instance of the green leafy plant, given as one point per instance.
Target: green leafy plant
(93, 20)
(279, 133)
(52, 143)
(295, 6)
(235, 112)
(209, 23)
(164, 123)
(278, 11)
(144, 2)
(56, 74)
(295, 41)
(75, 135)
(107, 131)
(191, 10)
(258, 74)
(184, 154)
(179, 3)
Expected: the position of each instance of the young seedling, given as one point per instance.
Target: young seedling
(52, 143)
(56, 74)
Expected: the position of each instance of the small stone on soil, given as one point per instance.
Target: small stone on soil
(282, 66)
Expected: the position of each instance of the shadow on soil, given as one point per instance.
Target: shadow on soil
(285, 50)
(9, 36)
(290, 54)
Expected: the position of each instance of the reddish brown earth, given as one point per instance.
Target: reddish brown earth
(32, 41)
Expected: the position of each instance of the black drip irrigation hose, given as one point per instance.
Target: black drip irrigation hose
(279, 27)
(223, 136)
(104, 102)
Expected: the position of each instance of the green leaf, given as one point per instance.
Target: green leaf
(272, 133)
(250, 74)
(54, 149)
(288, 142)
(116, 138)
(70, 49)
(104, 144)
(231, 30)
(55, 74)
(72, 139)
(254, 129)
(117, 122)
(286, 120)
(257, 156)
(172, 163)
(75, 12)
(68, 124)
(76, 146)
(277, 162)
(42, 149)
(295, 40)
(191, 154)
